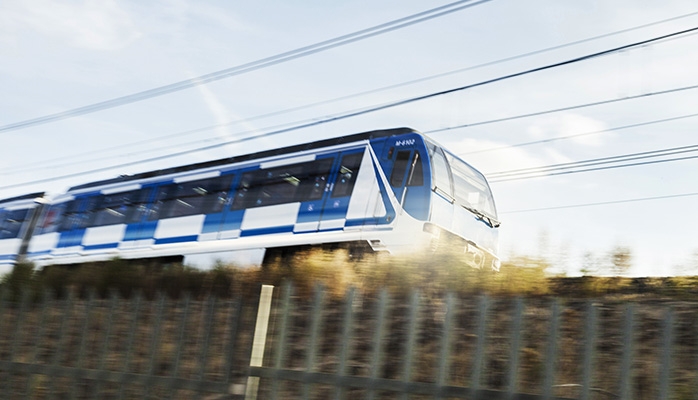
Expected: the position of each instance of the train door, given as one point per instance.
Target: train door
(342, 181)
(71, 227)
(46, 236)
(314, 196)
(139, 228)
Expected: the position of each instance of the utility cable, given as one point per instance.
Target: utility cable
(593, 164)
(602, 203)
(556, 110)
(577, 135)
(373, 109)
(47, 164)
(249, 67)
(403, 84)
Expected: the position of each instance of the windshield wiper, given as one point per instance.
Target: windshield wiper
(482, 217)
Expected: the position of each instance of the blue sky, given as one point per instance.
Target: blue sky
(61, 55)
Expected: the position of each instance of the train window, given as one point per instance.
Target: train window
(399, 168)
(189, 198)
(442, 179)
(70, 218)
(111, 209)
(50, 221)
(348, 170)
(285, 184)
(11, 222)
(314, 181)
(471, 188)
(138, 206)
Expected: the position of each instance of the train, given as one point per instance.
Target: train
(392, 190)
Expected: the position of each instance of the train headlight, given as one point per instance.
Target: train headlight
(473, 255)
(496, 264)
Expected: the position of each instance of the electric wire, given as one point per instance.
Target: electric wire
(249, 67)
(556, 110)
(73, 161)
(374, 108)
(577, 135)
(390, 87)
(619, 161)
(601, 203)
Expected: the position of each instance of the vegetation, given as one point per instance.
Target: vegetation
(336, 271)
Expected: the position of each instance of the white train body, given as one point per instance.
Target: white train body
(391, 190)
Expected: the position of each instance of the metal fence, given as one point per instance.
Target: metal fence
(358, 346)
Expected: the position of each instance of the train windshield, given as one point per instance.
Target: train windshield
(470, 188)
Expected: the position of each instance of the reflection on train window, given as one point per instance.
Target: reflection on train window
(471, 188)
(70, 218)
(348, 170)
(285, 184)
(51, 219)
(138, 206)
(207, 196)
(11, 223)
(442, 179)
(117, 208)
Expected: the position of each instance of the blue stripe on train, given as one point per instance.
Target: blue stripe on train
(267, 231)
(178, 239)
(101, 246)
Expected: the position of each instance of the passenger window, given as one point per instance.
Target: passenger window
(189, 198)
(138, 206)
(70, 218)
(11, 223)
(314, 180)
(399, 168)
(348, 170)
(285, 184)
(112, 209)
(52, 218)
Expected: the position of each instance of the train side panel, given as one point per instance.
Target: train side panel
(394, 192)
(18, 216)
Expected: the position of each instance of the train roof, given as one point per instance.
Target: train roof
(246, 157)
(30, 196)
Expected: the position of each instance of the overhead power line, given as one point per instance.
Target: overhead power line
(577, 135)
(620, 161)
(367, 110)
(601, 203)
(556, 110)
(73, 161)
(251, 66)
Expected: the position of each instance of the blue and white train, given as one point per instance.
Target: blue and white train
(388, 190)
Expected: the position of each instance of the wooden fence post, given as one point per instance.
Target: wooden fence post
(260, 338)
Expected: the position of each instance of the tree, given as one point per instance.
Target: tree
(620, 260)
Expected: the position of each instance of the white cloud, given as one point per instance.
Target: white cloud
(570, 124)
(101, 25)
(503, 159)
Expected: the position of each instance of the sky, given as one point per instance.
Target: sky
(57, 56)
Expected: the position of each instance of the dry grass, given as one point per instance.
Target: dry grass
(135, 341)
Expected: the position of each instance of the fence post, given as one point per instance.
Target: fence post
(260, 338)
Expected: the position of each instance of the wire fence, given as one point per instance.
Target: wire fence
(405, 346)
